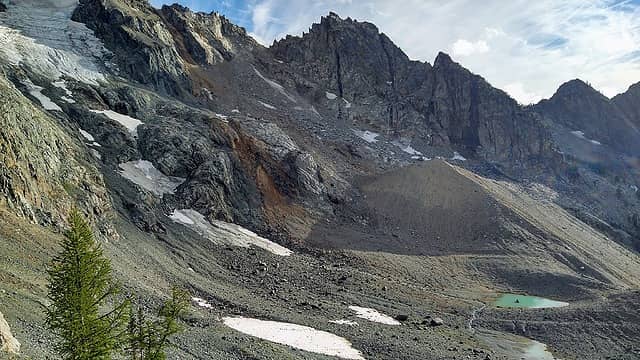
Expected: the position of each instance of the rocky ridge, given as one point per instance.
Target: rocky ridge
(443, 105)
(313, 147)
(579, 107)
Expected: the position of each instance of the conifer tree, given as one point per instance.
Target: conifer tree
(80, 288)
(148, 339)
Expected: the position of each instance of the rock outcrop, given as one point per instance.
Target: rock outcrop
(162, 47)
(439, 105)
(38, 178)
(579, 107)
(143, 46)
(8, 343)
(629, 103)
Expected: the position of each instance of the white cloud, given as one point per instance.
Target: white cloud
(518, 92)
(528, 48)
(464, 47)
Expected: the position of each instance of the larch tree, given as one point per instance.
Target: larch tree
(85, 314)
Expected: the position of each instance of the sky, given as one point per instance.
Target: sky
(527, 48)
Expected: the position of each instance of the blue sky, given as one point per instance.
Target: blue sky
(527, 48)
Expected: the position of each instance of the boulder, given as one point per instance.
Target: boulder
(402, 317)
(8, 343)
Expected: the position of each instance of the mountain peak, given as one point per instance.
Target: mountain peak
(629, 103)
(333, 15)
(634, 88)
(577, 87)
(443, 59)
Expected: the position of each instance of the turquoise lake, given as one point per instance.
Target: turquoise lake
(526, 301)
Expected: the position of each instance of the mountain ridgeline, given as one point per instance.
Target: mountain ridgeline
(311, 182)
(205, 59)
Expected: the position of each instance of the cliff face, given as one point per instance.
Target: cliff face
(442, 105)
(39, 180)
(181, 53)
(579, 107)
(483, 119)
(161, 47)
(629, 103)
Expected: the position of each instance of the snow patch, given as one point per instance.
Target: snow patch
(331, 96)
(180, 217)
(145, 175)
(373, 315)
(268, 106)
(86, 135)
(580, 134)
(457, 156)
(201, 302)
(366, 135)
(276, 86)
(127, 121)
(297, 336)
(36, 92)
(89, 138)
(224, 233)
(406, 148)
(61, 84)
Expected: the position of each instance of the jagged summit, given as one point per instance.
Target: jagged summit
(443, 59)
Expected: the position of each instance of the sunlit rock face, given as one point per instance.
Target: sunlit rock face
(439, 105)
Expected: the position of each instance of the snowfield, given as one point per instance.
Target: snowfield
(40, 36)
(297, 336)
(373, 315)
(127, 121)
(36, 92)
(225, 233)
(145, 175)
(366, 135)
